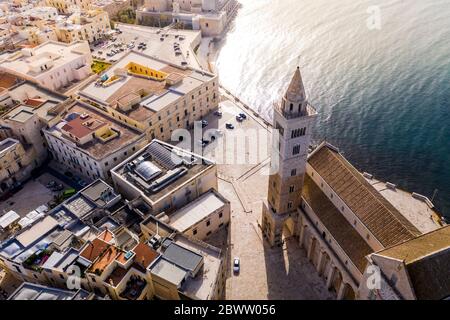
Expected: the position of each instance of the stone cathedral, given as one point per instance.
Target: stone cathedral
(348, 222)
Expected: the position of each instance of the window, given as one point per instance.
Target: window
(293, 172)
(298, 132)
(296, 150)
(209, 232)
(289, 205)
(208, 223)
(61, 276)
(194, 232)
(291, 189)
(220, 214)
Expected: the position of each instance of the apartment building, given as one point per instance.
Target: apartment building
(211, 17)
(112, 7)
(164, 176)
(63, 243)
(69, 6)
(202, 217)
(32, 291)
(153, 95)
(27, 108)
(89, 25)
(15, 163)
(43, 250)
(53, 65)
(90, 142)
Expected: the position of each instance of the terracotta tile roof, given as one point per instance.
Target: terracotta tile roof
(144, 255)
(34, 102)
(354, 246)
(80, 128)
(385, 222)
(101, 150)
(94, 249)
(427, 259)
(8, 80)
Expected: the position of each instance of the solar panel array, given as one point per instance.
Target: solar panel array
(164, 156)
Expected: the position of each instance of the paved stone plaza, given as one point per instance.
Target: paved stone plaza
(266, 273)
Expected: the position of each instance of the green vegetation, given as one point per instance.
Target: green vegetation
(68, 193)
(126, 16)
(99, 66)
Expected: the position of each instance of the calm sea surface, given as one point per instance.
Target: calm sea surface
(383, 95)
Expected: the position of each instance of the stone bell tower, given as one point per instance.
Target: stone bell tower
(293, 119)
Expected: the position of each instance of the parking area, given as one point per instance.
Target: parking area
(151, 41)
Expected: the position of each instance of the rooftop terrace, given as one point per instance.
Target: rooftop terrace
(98, 147)
(147, 83)
(159, 168)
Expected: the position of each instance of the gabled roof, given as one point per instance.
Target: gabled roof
(385, 222)
(354, 246)
(427, 260)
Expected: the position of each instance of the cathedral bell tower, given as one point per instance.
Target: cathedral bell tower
(293, 119)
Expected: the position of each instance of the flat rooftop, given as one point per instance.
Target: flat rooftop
(196, 211)
(96, 148)
(418, 212)
(159, 168)
(32, 291)
(32, 99)
(7, 144)
(169, 271)
(63, 53)
(164, 49)
(201, 286)
(100, 193)
(155, 94)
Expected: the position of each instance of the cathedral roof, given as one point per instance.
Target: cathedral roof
(296, 91)
(426, 259)
(383, 220)
(354, 246)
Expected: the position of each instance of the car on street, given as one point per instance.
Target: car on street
(51, 184)
(236, 265)
(239, 119)
(243, 115)
(229, 126)
(204, 123)
(218, 113)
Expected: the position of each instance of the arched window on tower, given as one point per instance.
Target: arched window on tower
(291, 107)
(299, 107)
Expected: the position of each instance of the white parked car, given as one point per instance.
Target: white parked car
(236, 265)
